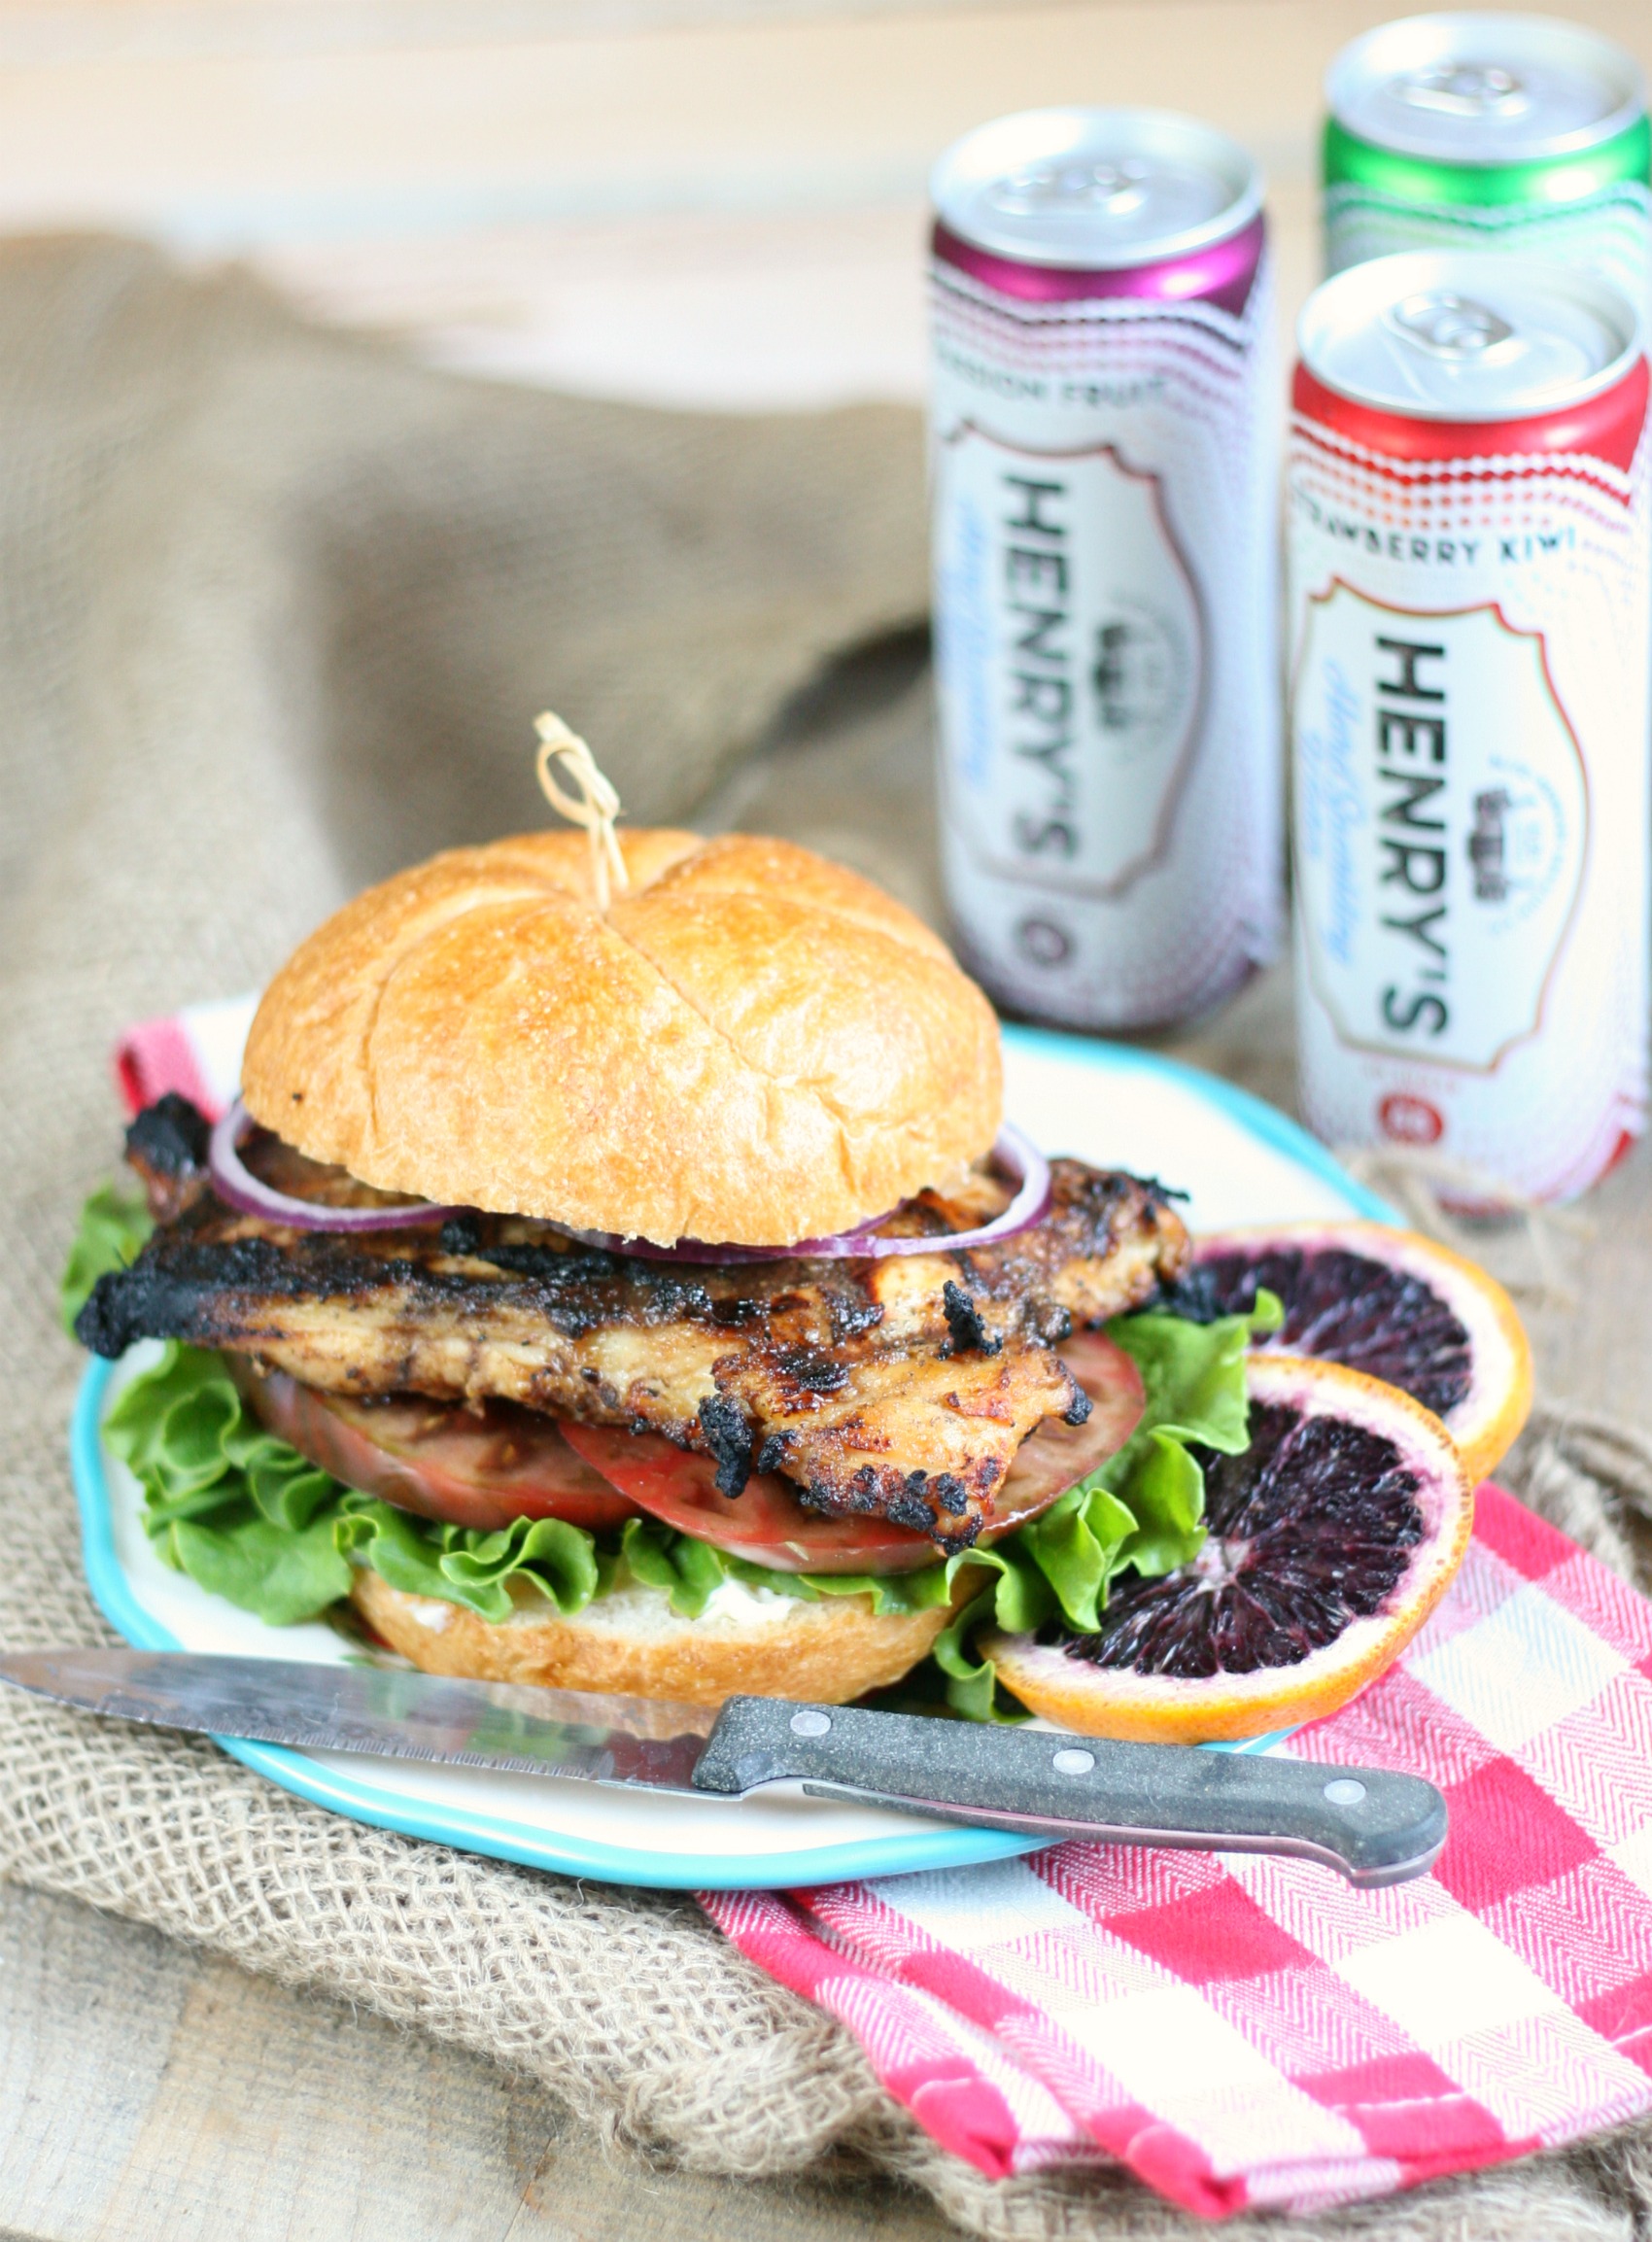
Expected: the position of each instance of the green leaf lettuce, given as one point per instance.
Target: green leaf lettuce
(113, 1226)
(252, 1521)
(1143, 1509)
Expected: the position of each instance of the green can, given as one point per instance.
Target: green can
(1511, 133)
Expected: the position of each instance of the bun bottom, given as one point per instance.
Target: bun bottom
(633, 1642)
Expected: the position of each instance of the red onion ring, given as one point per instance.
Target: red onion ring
(1014, 1151)
(237, 1187)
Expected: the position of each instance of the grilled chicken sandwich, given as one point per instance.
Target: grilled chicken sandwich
(635, 1296)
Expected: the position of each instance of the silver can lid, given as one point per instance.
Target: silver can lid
(1095, 189)
(1464, 335)
(1485, 88)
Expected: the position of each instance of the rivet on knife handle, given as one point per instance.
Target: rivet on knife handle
(1376, 1827)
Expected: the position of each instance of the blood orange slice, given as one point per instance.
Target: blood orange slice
(1328, 1543)
(1389, 1302)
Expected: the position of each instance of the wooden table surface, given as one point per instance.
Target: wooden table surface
(148, 2093)
(703, 202)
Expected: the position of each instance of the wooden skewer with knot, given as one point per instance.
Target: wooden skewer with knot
(594, 806)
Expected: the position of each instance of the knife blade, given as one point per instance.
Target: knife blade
(1373, 1826)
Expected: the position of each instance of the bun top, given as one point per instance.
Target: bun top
(750, 1046)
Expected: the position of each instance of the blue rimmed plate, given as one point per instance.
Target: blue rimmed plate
(1239, 1160)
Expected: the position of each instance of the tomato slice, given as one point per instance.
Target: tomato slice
(765, 1522)
(440, 1460)
(768, 1525)
(1050, 1459)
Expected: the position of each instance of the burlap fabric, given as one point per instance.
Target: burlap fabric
(276, 611)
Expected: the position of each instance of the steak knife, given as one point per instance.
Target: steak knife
(1376, 1828)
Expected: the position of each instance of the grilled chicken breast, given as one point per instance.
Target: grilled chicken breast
(902, 1387)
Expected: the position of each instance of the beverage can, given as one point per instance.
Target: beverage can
(1469, 586)
(1104, 488)
(1514, 134)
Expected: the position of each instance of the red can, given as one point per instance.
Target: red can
(1470, 599)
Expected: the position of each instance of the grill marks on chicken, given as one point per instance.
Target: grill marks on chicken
(902, 1386)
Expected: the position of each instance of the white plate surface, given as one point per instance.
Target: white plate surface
(1238, 1159)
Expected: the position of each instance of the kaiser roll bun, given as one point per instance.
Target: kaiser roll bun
(633, 1642)
(749, 1045)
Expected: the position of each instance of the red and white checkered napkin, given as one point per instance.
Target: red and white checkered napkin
(1242, 2031)
(195, 1051)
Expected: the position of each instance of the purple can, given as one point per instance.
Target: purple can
(1104, 477)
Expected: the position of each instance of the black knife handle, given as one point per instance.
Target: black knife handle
(1375, 1828)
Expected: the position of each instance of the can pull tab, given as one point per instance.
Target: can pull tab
(1449, 326)
(1464, 90)
(1115, 189)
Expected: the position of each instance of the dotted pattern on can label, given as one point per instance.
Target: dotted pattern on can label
(1609, 234)
(1468, 710)
(1103, 493)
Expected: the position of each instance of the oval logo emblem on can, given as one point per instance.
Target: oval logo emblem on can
(1405, 1120)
